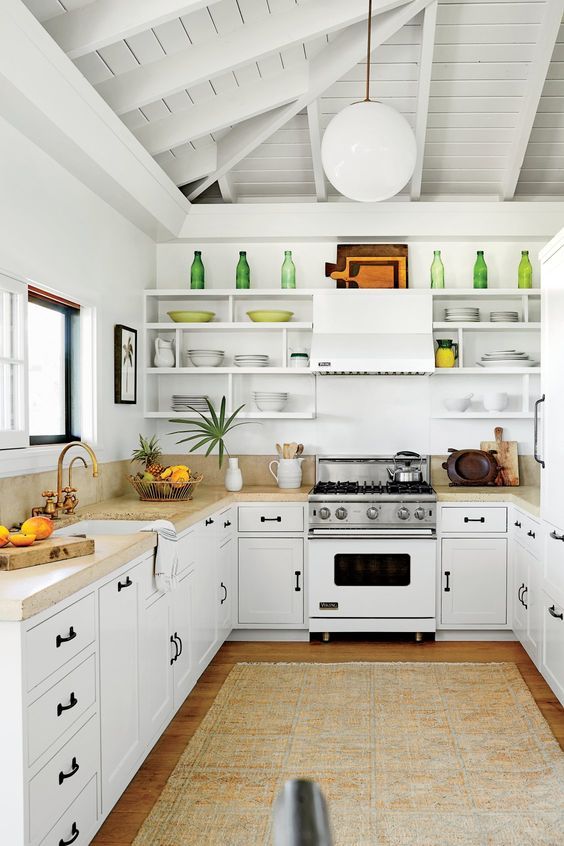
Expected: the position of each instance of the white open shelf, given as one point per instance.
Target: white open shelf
(481, 415)
(520, 326)
(248, 415)
(486, 371)
(228, 326)
(259, 371)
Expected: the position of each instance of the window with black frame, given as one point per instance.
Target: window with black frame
(53, 369)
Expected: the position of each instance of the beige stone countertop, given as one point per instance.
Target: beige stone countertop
(526, 497)
(26, 592)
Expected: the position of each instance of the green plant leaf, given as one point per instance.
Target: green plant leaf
(211, 446)
(221, 448)
(213, 415)
(233, 416)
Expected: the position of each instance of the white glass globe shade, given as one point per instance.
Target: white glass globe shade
(368, 151)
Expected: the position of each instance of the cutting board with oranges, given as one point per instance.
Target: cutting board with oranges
(44, 552)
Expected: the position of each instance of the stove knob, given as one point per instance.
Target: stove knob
(419, 513)
(372, 513)
(403, 513)
(341, 513)
(324, 513)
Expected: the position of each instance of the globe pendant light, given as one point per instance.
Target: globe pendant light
(368, 150)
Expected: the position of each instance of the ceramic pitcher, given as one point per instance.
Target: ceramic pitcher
(233, 476)
(164, 353)
(446, 353)
(289, 472)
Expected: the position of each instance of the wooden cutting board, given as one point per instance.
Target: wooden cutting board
(44, 552)
(507, 458)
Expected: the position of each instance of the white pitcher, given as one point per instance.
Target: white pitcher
(164, 353)
(289, 472)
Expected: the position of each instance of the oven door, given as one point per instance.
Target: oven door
(357, 577)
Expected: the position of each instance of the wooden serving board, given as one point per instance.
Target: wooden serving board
(44, 552)
(507, 458)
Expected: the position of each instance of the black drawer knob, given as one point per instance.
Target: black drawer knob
(518, 524)
(74, 835)
(126, 584)
(553, 613)
(474, 519)
(271, 519)
(531, 534)
(73, 771)
(65, 638)
(73, 701)
(209, 521)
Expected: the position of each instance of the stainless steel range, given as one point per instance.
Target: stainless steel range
(372, 545)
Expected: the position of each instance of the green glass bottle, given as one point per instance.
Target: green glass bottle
(480, 271)
(437, 271)
(288, 271)
(243, 272)
(197, 272)
(525, 273)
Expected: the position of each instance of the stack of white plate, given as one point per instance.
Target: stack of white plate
(204, 358)
(506, 358)
(189, 403)
(251, 360)
(504, 316)
(460, 314)
(270, 400)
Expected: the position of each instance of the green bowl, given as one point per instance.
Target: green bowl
(191, 316)
(270, 316)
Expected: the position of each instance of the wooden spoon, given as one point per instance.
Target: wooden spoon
(300, 449)
(293, 448)
(279, 450)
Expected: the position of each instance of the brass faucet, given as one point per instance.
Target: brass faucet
(64, 498)
(59, 502)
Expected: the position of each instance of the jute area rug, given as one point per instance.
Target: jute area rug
(413, 754)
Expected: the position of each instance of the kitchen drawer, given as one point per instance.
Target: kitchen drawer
(527, 532)
(554, 559)
(77, 823)
(474, 519)
(271, 518)
(56, 640)
(52, 714)
(50, 792)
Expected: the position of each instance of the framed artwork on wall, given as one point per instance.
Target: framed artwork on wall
(125, 364)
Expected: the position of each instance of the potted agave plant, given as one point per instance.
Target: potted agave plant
(211, 431)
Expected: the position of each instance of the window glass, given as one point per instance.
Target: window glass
(46, 328)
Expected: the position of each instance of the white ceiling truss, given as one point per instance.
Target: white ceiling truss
(231, 97)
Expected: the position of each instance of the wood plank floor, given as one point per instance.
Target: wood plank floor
(123, 823)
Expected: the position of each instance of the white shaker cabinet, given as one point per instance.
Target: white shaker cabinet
(181, 638)
(155, 674)
(474, 581)
(206, 608)
(270, 580)
(224, 580)
(552, 654)
(526, 599)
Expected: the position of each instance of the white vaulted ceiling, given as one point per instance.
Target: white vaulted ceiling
(231, 97)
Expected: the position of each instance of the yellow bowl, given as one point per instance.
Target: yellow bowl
(191, 316)
(270, 316)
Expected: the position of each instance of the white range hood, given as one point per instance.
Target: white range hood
(364, 332)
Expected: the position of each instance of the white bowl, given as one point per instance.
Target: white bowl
(458, 403)
(495, 401)
(270, 405)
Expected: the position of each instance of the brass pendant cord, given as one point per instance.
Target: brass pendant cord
(368, 52)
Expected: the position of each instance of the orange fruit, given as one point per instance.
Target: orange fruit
(4, 532)
(3, 542)
(41, 527)
(19, 539)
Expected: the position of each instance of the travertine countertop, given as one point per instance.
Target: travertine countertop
(26, 592)
(526, 497)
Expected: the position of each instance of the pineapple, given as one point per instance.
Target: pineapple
(149, 452)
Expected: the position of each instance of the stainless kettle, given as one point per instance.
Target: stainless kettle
(403, 470)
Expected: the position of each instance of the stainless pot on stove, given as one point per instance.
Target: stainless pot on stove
(407, 467)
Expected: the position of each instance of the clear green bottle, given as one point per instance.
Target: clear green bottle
(288, 271)
(480, 271)
(525, 273)
(437, 271)
(243, 272)
(197, 272)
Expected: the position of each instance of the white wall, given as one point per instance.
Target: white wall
(57, 233)
(372, 414)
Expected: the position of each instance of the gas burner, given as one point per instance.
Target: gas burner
(348, 488)
(411, 488)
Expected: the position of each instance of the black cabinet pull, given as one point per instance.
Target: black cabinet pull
(474, 519)
(176, 652)
(517, 523)
(60, 639)
(297, 574)
(552, 612)
(556, 536)
(536, 455)
(447, 585)
(227, 524)
(75, 832)
(225, 597)
(74, 770)
(209, 521)
(531, 534)
(519, 597)
(180, 645)
(122, 585)
(73, 701)
(271, 519)
(525, 606)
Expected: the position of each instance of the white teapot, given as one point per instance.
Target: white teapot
(164, 353)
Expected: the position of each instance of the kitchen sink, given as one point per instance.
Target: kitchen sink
(101, 527)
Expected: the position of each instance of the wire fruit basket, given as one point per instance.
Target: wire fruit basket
(165, 491)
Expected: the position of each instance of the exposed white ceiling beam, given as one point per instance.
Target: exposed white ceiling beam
(223, 110)
(104, 22)
(423, 91)
(227, 188)
(192, 166)
(163, 77)
(330, 64)
(538, 70)
(314, 127)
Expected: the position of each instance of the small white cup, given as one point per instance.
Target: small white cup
(495, 401)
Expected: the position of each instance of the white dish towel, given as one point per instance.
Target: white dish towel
(166, 560)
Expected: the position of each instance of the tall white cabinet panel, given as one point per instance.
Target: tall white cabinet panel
(552, 656)
(526, 599)
(156, 677)
(474, 581)
(205, 611)
(225, 588)
(122, 736)
(184, 673)
(270, 574)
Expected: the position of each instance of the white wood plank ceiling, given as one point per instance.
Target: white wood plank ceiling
(232, 97)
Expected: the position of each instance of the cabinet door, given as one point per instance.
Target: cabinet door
(532, 602)
(552, 650)
(270, 575)
(205, 606)
(122, 737)
(182, 616)
(520, 577)
(155, 671)
(474, 582)
(225, 588)
(550, 447)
